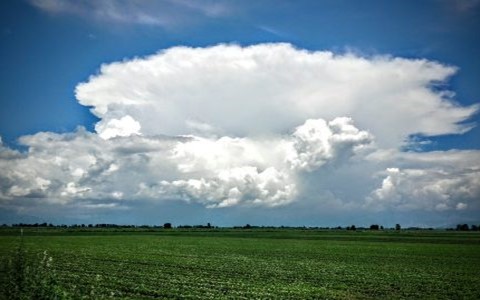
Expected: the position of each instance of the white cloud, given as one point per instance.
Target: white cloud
(270, 88)
(216, 172)
(125, 126)
(318, 142)
(434, 186)
(245, 185)
(255, 126)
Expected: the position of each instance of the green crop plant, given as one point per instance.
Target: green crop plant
(259, 264)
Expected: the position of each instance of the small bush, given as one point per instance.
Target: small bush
(27, 278)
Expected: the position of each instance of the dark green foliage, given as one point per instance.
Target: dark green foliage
(32, 276)
(27, 277)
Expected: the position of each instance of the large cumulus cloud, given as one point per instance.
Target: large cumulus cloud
(216, 172)
(260, 126)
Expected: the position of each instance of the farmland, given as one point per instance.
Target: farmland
(236, 264)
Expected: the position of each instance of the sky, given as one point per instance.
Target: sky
(295, 113)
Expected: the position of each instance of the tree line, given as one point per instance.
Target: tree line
(374, 227)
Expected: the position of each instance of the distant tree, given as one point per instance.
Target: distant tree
(374, 227)
(248, 226)
(167, 226)
(209, 225)
(474, 228)
(398, 227)
(462, 227)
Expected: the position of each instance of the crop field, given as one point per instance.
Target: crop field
(259, 264)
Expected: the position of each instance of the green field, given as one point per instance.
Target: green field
(259, 264)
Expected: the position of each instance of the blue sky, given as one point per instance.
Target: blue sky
(49, 47)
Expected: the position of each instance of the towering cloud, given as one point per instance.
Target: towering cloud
(318, 142)
(259, 126)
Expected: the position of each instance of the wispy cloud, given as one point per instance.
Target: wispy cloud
(272, 30)
(211, 8)
(465, 5)
(163, 13)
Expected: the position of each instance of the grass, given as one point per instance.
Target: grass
(246, 264)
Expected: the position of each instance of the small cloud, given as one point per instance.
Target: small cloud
(125, 126)
(117, 195)
(104, 206)
(417, 143)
